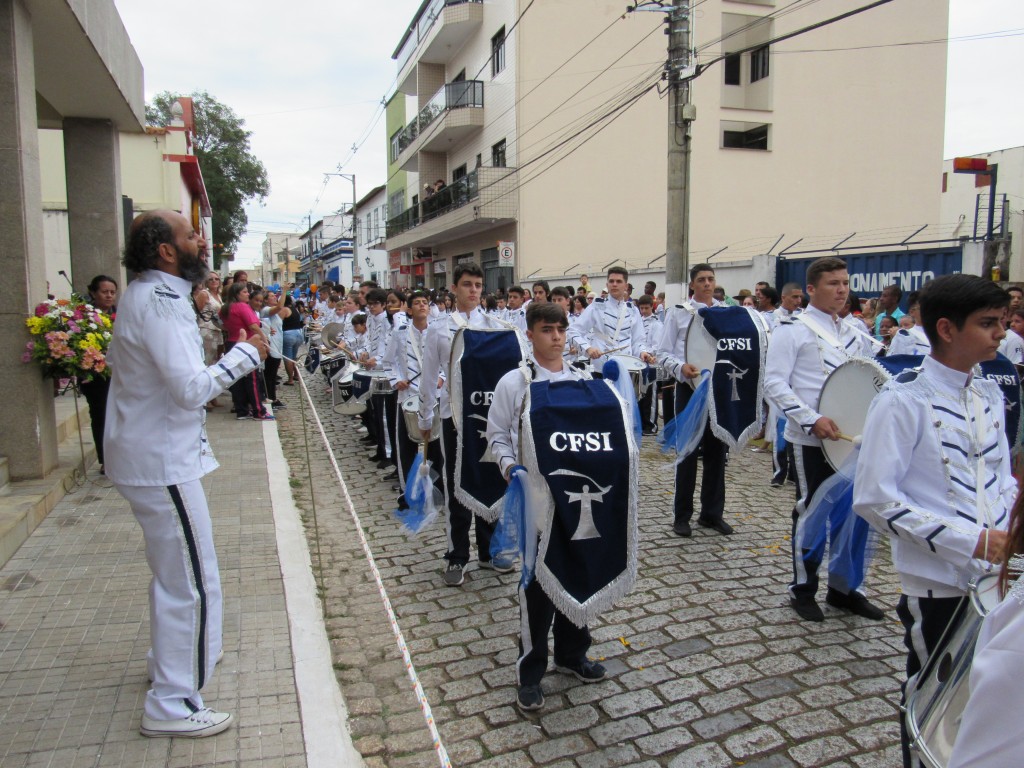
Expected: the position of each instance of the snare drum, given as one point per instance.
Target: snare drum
(343, 400)
(411, 413)
(365, 384)
(936, 704)
(332, 363)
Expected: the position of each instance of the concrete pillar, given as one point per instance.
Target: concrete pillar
(29, 435)
(92, 165)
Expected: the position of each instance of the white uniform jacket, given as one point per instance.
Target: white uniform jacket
(800, 359)
(437, 358)
(909, 341)
(672, 348)
(609, 324)
(1012, 347)
(517, 317)
(934, 465)
(155, 431)
(506, 410)
(653, 328)
(404, 359)
(378, 329)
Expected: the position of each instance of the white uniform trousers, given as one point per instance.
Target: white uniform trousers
(185, 603)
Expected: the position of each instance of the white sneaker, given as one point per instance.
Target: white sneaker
(205, 722)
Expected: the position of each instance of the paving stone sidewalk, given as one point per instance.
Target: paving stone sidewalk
(74, 630)
(708, 666)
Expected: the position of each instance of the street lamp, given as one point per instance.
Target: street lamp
(351, 177)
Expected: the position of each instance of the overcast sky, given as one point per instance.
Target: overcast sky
(308, 76)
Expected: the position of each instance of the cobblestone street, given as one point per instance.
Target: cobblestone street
(707, 664)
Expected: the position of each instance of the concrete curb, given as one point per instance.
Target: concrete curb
(323, 710)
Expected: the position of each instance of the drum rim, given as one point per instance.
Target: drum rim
(863, 362)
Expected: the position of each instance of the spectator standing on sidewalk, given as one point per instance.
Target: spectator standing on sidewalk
(157, 452)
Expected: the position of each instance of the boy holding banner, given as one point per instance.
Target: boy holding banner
(944, 498)
(437, 351)
(543, 599)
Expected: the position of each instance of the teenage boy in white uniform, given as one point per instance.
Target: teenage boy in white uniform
(934, 465)
(546, 326)
(156, 454)
(802, 353)
(437, 349)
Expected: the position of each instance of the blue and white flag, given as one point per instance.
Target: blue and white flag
(1004, 374)
(737, 378)
(577, 436)
(480, 357)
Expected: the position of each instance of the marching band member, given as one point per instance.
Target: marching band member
(608, 324)
(377, 331)
(802, 352)
(515, 312)
(546, 326)
(911, 341)
(653, 329)
(468, 285)
(672, 355)
(156, 454)
(404, 358)
(791, 303)
(944, 497)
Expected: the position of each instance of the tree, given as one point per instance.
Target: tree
(231, 172)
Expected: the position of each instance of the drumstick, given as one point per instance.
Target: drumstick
(856, 439)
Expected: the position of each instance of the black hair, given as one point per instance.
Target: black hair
(490, 303)
(852, 300)
(956, 297)
(771, 294)
(368, 284)
(1016, 288)
(559, 290)
(914, 297)
(696, 269)
(398, 294)
(897, 289)
(820, 266)
(645, 299)
(95, 284)
(232, 297)
(470, 268)
(359, 319)
(619, 271)
(517, 289)
(147, 233)
(543, 284)
(545, 312)
(418, 293)
(376, 296)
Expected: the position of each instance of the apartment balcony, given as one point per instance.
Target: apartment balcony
(481, 200)
(435, 35)
(455, 112)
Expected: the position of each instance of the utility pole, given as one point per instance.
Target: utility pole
(680, 114)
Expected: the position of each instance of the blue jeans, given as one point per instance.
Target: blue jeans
(292, 342)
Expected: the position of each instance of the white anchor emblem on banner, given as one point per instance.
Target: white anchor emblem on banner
(586, 498)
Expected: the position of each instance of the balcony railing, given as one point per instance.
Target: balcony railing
(456, 195)
(465, 93)
(421, 28)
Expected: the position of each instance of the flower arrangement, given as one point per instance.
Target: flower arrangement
(69, 339)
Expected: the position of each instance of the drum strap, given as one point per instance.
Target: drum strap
(822, 334)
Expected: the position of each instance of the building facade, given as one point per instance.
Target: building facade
(967, 199)
(281, 253)
(371, 259)
(545, 124)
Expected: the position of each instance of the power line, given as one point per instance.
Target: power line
(514, 25)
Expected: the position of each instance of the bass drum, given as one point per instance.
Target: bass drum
(847, 395)
(936, 704)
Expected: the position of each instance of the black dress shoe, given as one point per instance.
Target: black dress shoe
(806, 608)
(682, 528)
(855, 603)
(716, 525)
(384, 464)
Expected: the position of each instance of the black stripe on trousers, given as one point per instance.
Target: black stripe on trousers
(197, 576)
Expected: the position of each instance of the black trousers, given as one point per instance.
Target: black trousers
(459, 518)
(782, 463)
(924, 621)
(712, 489)
(383, 417)
(95, 393)
(648, 404)
(247, 392)
(571, 642)
(270, 367)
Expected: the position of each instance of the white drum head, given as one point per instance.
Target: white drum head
(845, 398)
(984, 593)
(629, 362)
(700, 348)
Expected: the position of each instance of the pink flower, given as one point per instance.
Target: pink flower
(27, 357)
(41, 310)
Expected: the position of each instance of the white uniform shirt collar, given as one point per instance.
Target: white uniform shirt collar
(177, 283)
(952, 381)
(824, 318)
